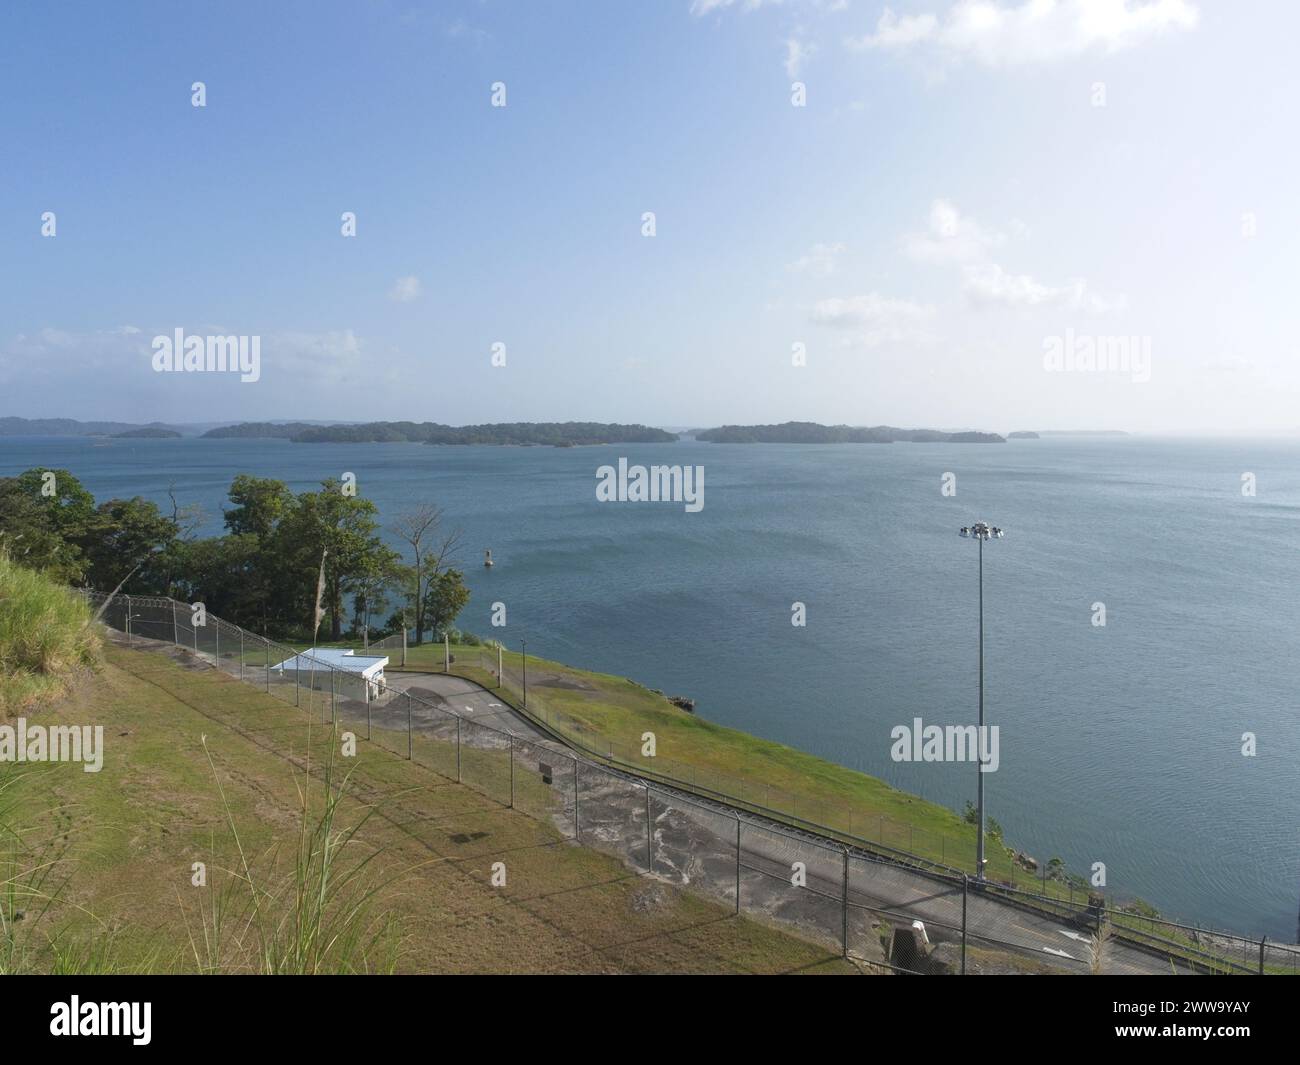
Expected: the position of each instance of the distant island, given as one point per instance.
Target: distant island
(71, 427)
(1022, 434)
(258, 431)
(813, 433)
(1082, 432)
(148, 432)
(519, 434)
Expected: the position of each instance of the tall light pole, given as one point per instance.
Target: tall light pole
(981, 531)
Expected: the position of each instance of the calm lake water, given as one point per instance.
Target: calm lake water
(1119, 744)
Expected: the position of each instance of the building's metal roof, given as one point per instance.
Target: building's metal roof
(337, 658)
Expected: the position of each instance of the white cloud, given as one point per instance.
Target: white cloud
(874, 319)
(950, 238)
(405, 289)
(334, 354)
(796, 54)
(953, 240)
(990, 285)
(820, 259)
(700, 8)
(1035, 31)
(895, 32)
(462, 30)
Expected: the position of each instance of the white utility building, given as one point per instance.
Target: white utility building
(364, 673)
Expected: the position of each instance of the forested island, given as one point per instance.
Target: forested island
(257, 431)
(148, 432)
(813, 433)
(520, 434)
(13, 426)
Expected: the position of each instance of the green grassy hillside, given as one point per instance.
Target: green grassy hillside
(200, 768)
(46, 640)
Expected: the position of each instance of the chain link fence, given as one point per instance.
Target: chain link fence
(884, 906)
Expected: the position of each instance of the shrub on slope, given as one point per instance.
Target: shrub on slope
(45, 637)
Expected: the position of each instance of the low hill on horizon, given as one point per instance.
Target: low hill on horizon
(520, 434)
(14, 426)
(815, 433)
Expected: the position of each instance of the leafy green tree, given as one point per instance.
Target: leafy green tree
(445, 599)
(42, 514)
(67, 502)
(28, 536)
(259, 505)
(222, 572)
(125, 537)
(342, 529)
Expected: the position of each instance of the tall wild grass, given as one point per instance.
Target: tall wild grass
(45, 638)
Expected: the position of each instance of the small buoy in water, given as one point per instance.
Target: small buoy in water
(487, 558)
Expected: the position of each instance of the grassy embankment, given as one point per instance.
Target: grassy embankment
(609, 714)
(97, 870)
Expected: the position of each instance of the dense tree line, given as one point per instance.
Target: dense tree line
(286, 564)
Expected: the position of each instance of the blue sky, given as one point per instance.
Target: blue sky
(950, 198)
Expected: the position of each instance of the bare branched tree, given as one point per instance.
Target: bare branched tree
(420, 526)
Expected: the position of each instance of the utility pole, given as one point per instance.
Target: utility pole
(981, 531)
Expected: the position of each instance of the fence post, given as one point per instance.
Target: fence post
(267, 643)
(334, 705)
(649, 835)
(241, 654)
(176, 636)
(846, 902)
(409, 741)
(458, 749)
(403, 641)
(500, 676)
(296, 671)
(1261, 955)
(737, 863)
(577, 823)
(965, 885)
(367, 689)
(512, 772)
(128, 620)
(216, 628)
(446, 653)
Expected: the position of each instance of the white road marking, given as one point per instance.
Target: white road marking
(1075, 935)
(470, 709)
(1059, 953)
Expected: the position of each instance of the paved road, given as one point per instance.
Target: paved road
(466, 698)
